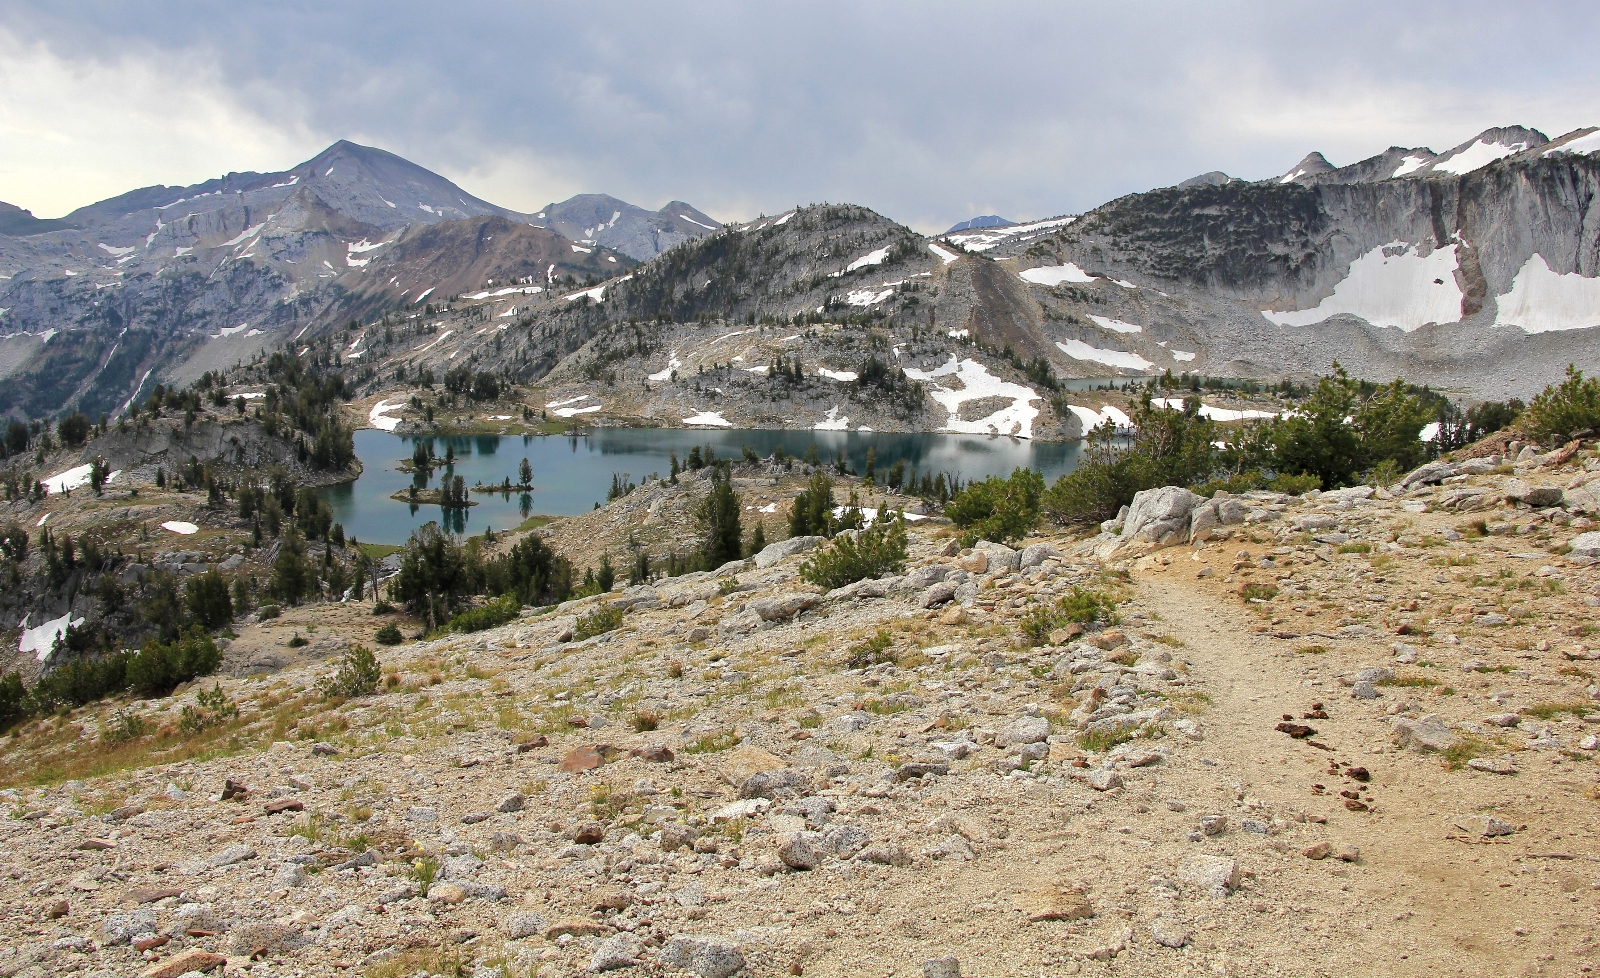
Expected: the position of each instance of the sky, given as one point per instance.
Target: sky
(927, 112)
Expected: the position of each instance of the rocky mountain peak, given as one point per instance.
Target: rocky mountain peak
(1313, 165)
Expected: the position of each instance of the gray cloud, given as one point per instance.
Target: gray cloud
(928, 112)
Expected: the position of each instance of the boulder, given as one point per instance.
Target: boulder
(1215, 875)
(1537, 496)
(1428, 733)
(708, 957)
(799, 850)
(1160, 516)
(782, 783)
(1001, 557)
(783, 607)
(1038, 553)
(937, 594)
(617, 951)
(1023, 730)
(1586, 544)
(1430, 474)
(1203, 523)
(784, 549)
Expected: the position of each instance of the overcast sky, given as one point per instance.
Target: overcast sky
(927, 112)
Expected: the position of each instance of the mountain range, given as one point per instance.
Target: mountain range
(1474, 269)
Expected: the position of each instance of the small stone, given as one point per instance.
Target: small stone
(56, 910)
(798, 851)
(183, 964)
(231, 855)
(446, 893)
(1215, 875)
(1023, 730)
(511, 803)
(523, 924)
(1103, 779)
(782, 783)
(418, 814)
(1169, 932)
(581, 759)
(284, 805)
(617, 951)
(1484, 826)
(289, 874)
(1363, 690)
(588, 833)
(886, 854)
(1213, 824)
(1493, 765)
(1322, 850)
(708, 957)
(946, 967)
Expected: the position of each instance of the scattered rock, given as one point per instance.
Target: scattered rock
(203, 962)
(522, 924)
(231, 855)
(1483, 826)
(617, 951)
(708, 957)
(581, 759)
(798, 850)
(127, 927)
(1493, 765)
(1104, 779)
(1216, 876)
(781, 783)
(1428, 733)
(1169, 932)
(1023, 730)
(1322, 850)
(511, 803)
(946, 967)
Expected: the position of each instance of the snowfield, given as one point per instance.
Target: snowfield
(673, 363)
(1582, 146)
(379, 418)
(180, 527)
(1214, 413)
(1410, 164)
(1116, 325)
(41, 639)
(1477, 156)
(1393, 285)
(832, 422)
(870, 258)
(945, 255)
(841, 375)
(977, 383)
(989, 237)
(71, 479)
(709, 419)
(1543, 301)
(1093, 419)
(1056, 275)
(867, 297)
(1079, 350)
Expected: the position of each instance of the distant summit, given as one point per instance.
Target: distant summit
(1215, 178)
(977, 223)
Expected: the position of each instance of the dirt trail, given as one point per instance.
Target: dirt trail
(1418, 901)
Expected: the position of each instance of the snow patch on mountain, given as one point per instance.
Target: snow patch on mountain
(1543, 301)
(870, 258)
(1056, 275)
(1116, 325)
(1477, 156)
(1392, 285)
(1582, 146)
(1079, 350)
(1092, 419)
(976, 384)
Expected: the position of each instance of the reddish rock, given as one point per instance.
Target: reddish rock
(582, 759)
(202, 961)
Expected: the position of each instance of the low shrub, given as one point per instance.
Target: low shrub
(1001, 510)
(603, 619)
(874, 552)
(873, 651)
(1562, 410)
(388, 635)
(1087, 606)
(158, 668)
(498, 612)
(358, 674)
(209, 710)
